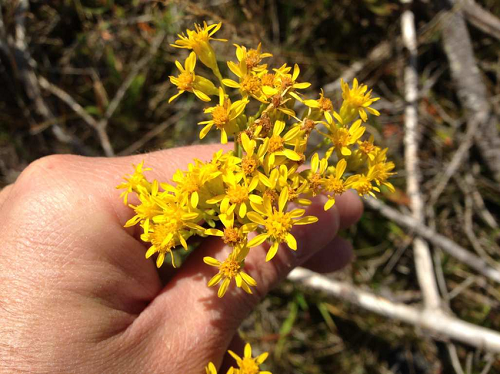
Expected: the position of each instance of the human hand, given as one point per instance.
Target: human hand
(77, 295)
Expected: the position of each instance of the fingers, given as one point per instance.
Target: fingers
(350, 208)
(213, 321)
(335, 256)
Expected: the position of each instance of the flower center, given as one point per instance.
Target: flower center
(249, 165)
(341, 138)
(363, 186)
(272, 195)
(220, 116)
(315, 182)
(229, 268)
(334, 185)
(251, 84)
(185, 81)
(232, 236)
(248, 366)
(158, 236)
(148, 209)
(191, 184)
(268, 80)
(286, 82)
(237, 194)
(325, 104)
(366, 147)
(253, 58)
(278, 225)
(308, 126)
(276, 143)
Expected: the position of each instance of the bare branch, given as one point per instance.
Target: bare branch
(25, 72)
(64, 96)
(113, 105)
(456, 161)
(481, 18)
(470, 86)
(449, 246)
(433, 320)
(423, 259)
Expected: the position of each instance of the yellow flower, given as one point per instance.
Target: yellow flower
(251, 58)
(343, 138)
(323, 104)
(381, 170)
(277, 223)
(178, 220)
(356, 100)
(285, 82)
(315, 177)
(367, 148)
(147, 209)
(249, 84)
(199, 41)
(190, 183)
(188, 81)
(162, 243)
(251, 162)
(224, 116)
(362, 184)
(334, 184)
(238, 194)
(248, 364)
(134, 181)
(233, 236)
(275, 145)
(229, 269)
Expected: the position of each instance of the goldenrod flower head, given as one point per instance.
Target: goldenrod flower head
(343, 138)
(248, 364)
(362, 184)
(243, 197)
(199, 41)
(229, 269)
(251, 58)
(147, 209)
(134, 181)
(357, 100)
(161, 238)
(334, 185)
(188, 81)
(224, 116)
(277, 223)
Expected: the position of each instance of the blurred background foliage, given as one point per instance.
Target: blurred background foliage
(97, 50)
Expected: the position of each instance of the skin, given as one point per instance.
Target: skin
(77, 294)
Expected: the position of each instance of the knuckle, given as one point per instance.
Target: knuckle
(42, 175)
(45, 165)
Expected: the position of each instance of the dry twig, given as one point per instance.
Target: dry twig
(471, 89)
(422, 255)
(481, 18)
(433, 320)
(449, 246)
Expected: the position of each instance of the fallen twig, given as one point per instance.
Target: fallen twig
(435, 321)
(471, 89)
(422, 255)
(447, 245)
(481, 18)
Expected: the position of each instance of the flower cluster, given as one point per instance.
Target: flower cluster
(246, 364)
(257, 193)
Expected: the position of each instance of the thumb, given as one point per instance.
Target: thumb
(211, 322)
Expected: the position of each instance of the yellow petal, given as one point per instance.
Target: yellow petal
(258, 240)
(272, 251)
(291, 241)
